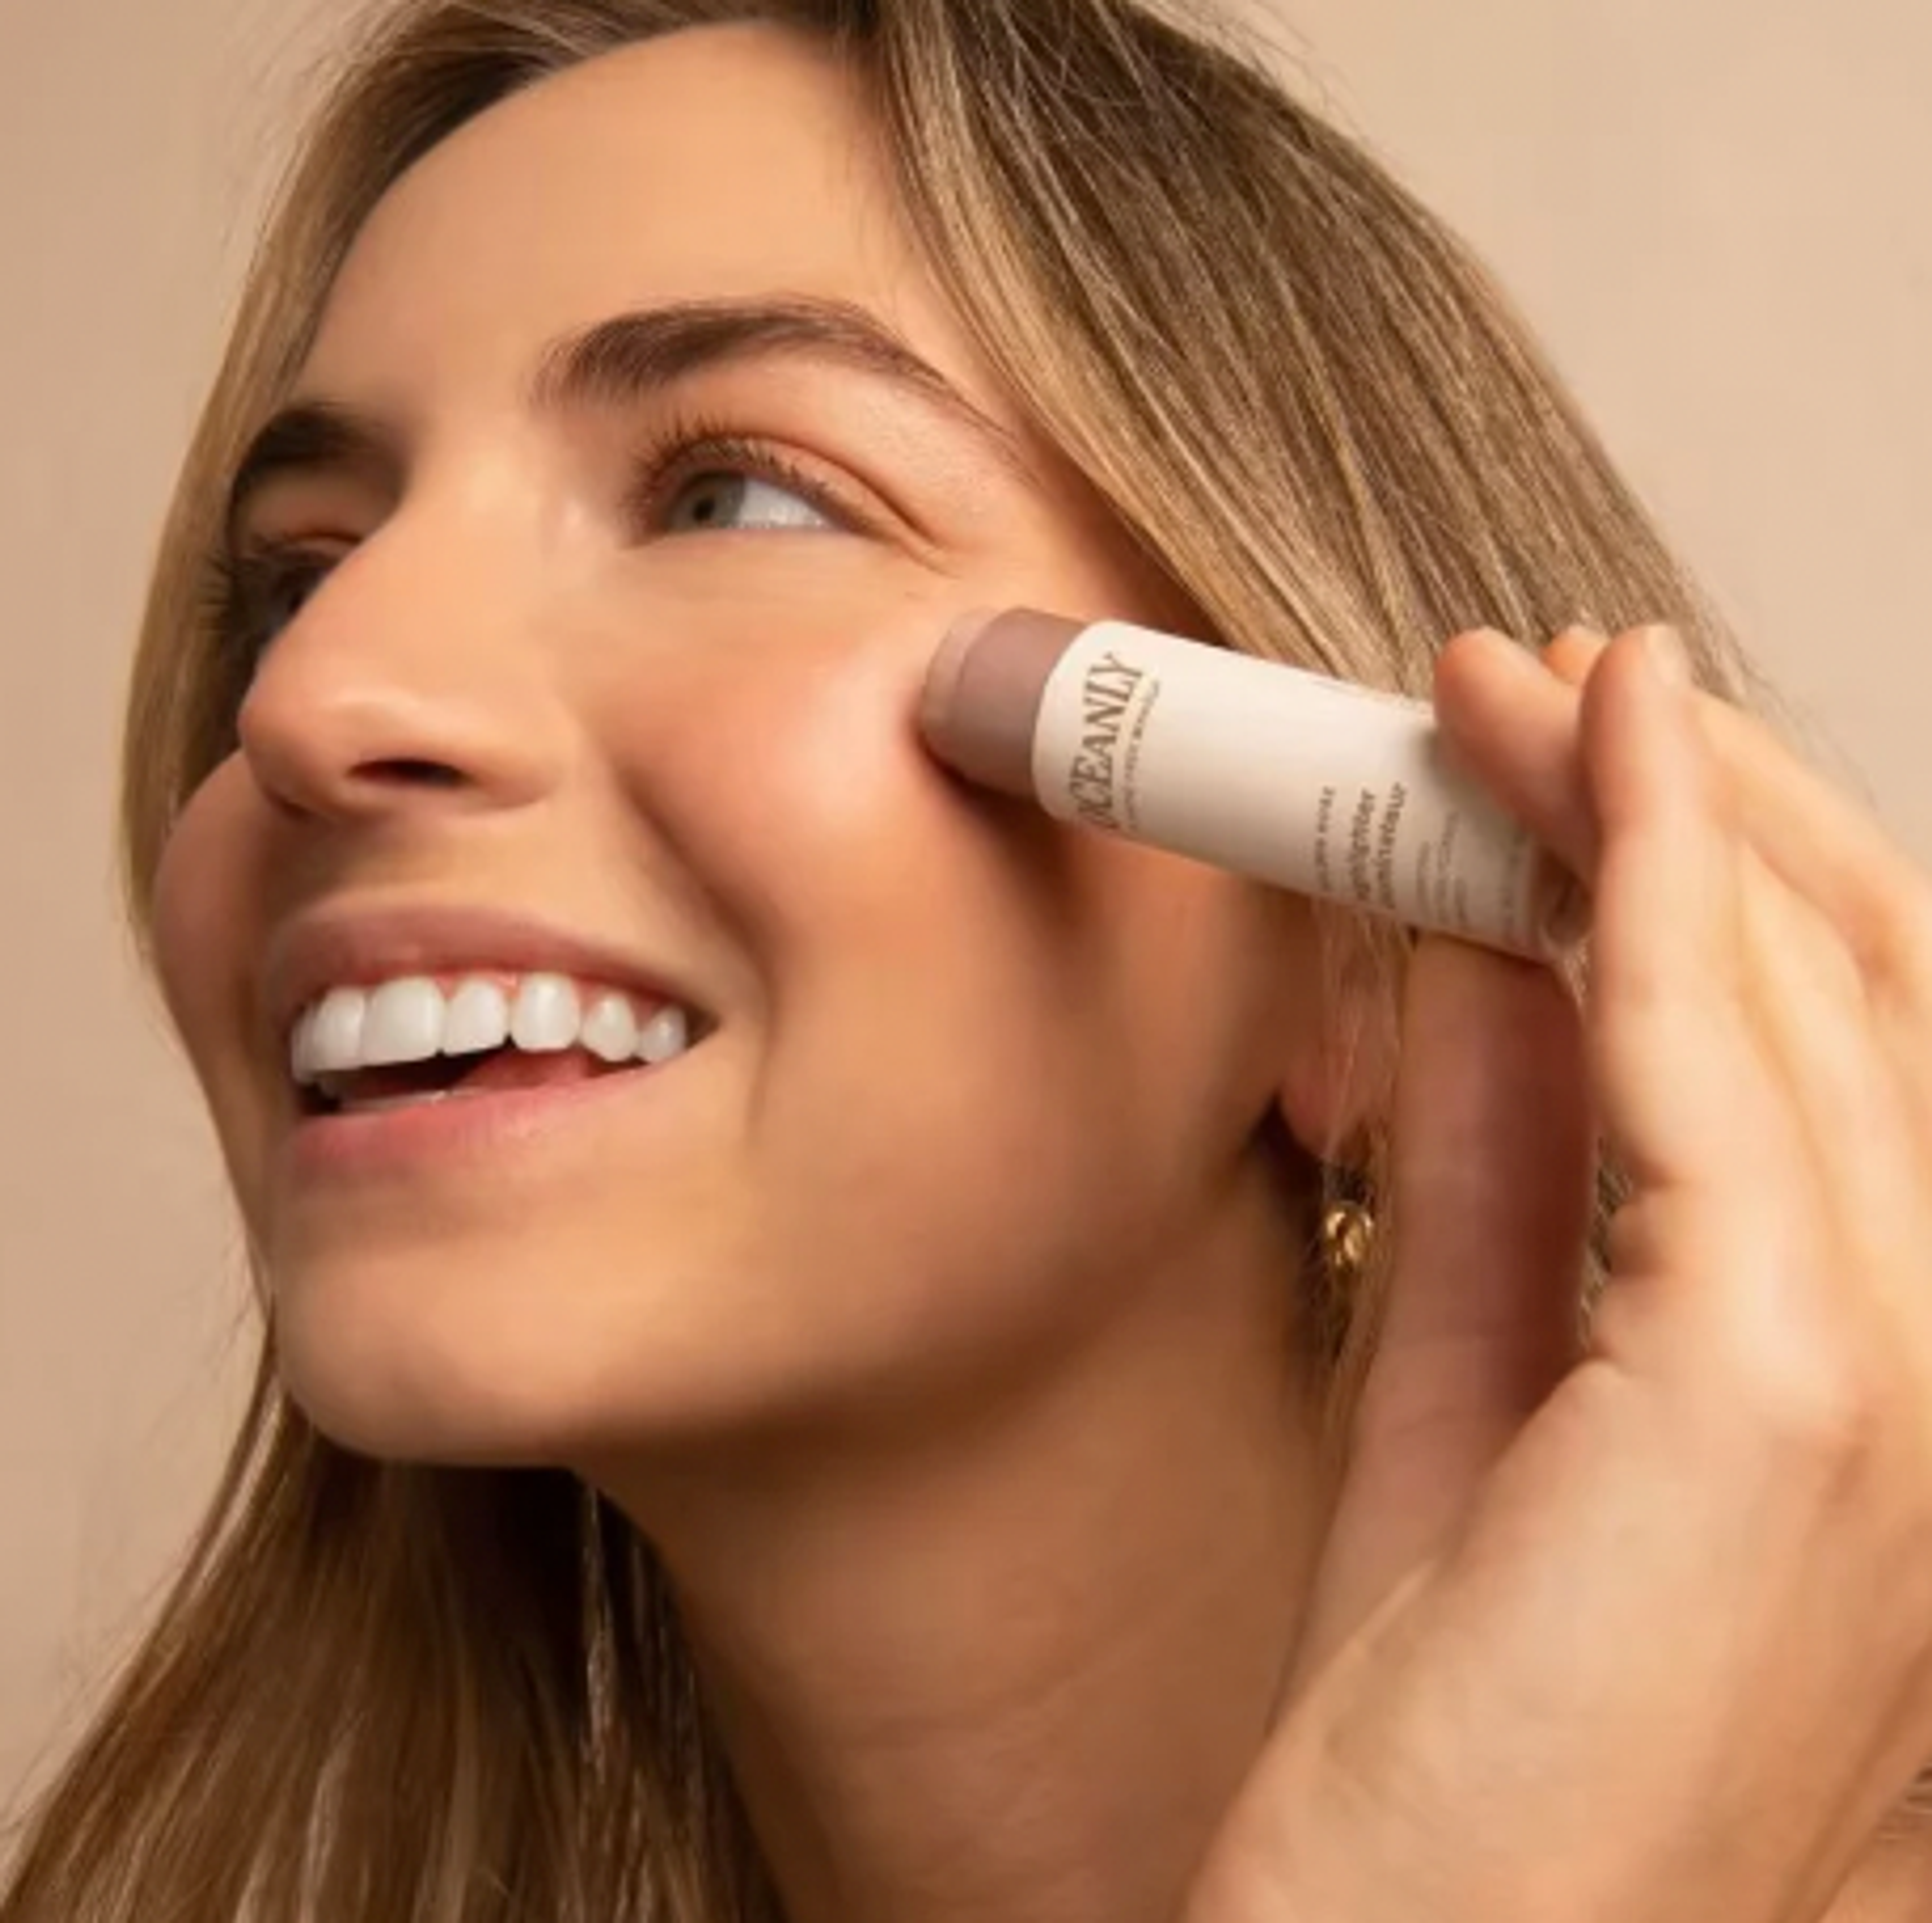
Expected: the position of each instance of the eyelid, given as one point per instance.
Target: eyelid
(682, 450)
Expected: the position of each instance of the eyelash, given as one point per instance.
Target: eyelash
(243, 580)
(684, 450)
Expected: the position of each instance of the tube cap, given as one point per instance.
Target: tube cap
(983, 690)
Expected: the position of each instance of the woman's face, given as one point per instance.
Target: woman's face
(563, 700)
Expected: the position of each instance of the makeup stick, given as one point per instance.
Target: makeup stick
(1310, 783)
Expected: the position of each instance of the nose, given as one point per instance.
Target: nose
(385, 697)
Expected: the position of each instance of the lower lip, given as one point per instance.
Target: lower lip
(460, 1128)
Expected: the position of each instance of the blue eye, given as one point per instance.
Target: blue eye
(741, 502)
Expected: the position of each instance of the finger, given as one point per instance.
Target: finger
(1493, 1182)
(1849, 924)
(1841, 1074)
(1573, 654)
(1492, 1187)
(1821, 841)
(1809, 996)
(1680, 1074)
(1517, 727)
(1859, 1142)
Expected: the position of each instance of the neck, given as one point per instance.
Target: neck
(1017, 1672)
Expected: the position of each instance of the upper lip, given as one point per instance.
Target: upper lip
(332, 948)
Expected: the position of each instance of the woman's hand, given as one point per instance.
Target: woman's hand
(1636, 1630)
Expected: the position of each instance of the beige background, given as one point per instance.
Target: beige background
(1716, 209)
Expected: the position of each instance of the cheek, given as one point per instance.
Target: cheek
(909, 934)
(874, 887)
(779, 751)
(979, 1029)
(837, 760)
(194, 899)
(207, 915)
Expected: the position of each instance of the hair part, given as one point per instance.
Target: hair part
(383, 1692)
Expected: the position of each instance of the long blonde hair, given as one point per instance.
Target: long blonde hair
(402, 1695)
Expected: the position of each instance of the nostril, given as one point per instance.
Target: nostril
(416, 774)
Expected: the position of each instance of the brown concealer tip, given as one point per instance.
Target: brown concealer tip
(982, 693)
(949, 664)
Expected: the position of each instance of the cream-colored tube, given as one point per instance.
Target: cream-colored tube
(1313, 784)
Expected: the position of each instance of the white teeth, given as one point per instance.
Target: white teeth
(335, 1041)
(411, 1020)
(301, 1047)
(478, 1019)
(405, 1023)
(611, 1029)
(665, 1036)
(547, 1015)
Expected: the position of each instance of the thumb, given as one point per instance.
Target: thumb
(1492, 1181)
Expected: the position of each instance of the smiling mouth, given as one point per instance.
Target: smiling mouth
(416, 1041)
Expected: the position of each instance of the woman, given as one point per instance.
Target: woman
(1057, 1383)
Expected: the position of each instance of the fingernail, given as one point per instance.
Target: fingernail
(1665, 647)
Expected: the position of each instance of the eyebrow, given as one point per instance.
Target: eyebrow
(628, 358)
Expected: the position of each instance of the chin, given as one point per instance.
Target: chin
(528, 1363)
(399, 1400)
(433, 1363)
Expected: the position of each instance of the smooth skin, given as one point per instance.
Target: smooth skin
(943, 1341)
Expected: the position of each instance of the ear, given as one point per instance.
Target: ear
(1338, 1083)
